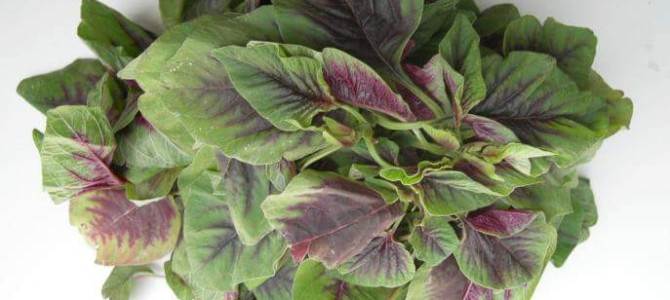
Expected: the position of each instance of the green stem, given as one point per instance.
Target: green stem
(397, 126)
(375, 155)
(354, 113)
(419, 136)
(409, 85)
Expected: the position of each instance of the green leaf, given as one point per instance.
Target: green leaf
(176, 283)
(122, 232)
(68, 86)
(211, 234)
(505, 262)
(436, 19)
(174, 12)
(200, 107)
(382, 263)
(434, 240)
(529, 95)
(552, 200)
(574, 48)
(313, 282)
(142, 146)
(110, 96)
(283, 83)
(160, 184)
(575, 227)
(114, 38)
(460, 48)
(38, 138)
(516, 155)
(329, 217)
(76, 152)
(492, 22)
(120, 282)
(620, 108)
(182, 267)
(468, 5)
(450, 192)
(147, 68)
(278, 287)
(281, 173)
(245, 187)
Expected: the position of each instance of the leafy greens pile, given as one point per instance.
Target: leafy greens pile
(328, 149)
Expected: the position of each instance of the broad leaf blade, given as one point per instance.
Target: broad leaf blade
(76, 152)
(109, 94)
(202, 107)
(434, 240)
(124, 233)
(120, 282)
(210, 234)
(114, 38)
(574, 228)
(574, 48)
(279, 286)
(492, 22)
(374, 31)
(142, 146)
(383, 263)
(460, 48)
(446, 282)
(313, 282)
(500, 223)
(507, 262)
(176, 283)
(450, 192)
(357, 84)
(319, 210)
(174, 12)
(529, 95)
(284, 84)
(146, 69)
(68, 86)
(552, 200)
(245, 187)
(182, 268)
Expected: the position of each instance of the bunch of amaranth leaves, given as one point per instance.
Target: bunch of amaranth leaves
(328, 149)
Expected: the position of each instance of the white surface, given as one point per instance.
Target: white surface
(42, 257)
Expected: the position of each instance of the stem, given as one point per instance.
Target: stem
(375, 155)
(397, 126)
(409, 85)
(419, 136)
(354, 113)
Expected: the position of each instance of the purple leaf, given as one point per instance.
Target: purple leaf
(376, 31)
(329, 217)
(446, 282)
(384, 262)
(488, 130)
(355, 83)
(505, 262)
(500, 223)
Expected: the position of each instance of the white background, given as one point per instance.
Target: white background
(627, 256)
